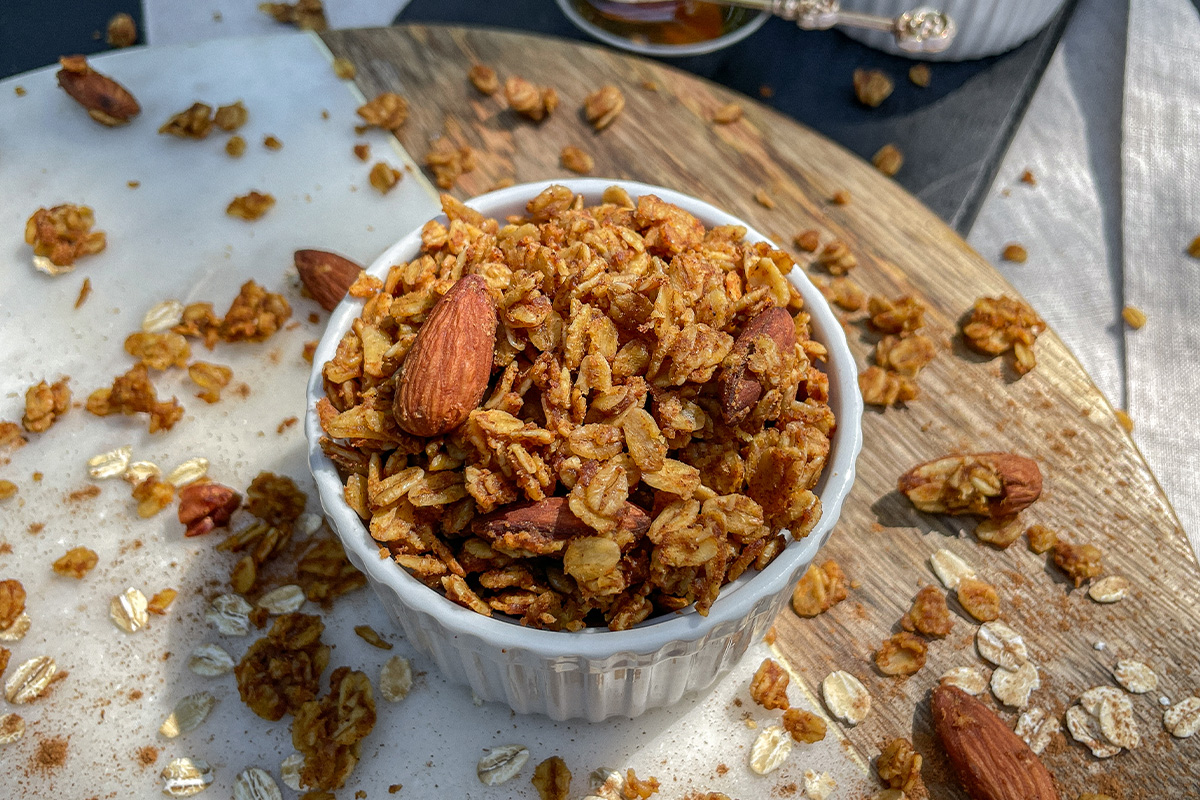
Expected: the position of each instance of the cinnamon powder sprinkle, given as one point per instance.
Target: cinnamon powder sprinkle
(50, 754)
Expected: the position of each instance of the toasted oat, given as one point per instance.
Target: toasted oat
(307, 15)
(184, 777)
(152, 495)
(44, 404)
(603, 106)
(819, 589)
(210, 660)
(576, 160)
(769, 685)
(999, 324)
(888, 159)
(158, 351)
(76, 562)
(188, 714)
(999, 533)
(901, 654)
(1135, 318)
(272, 143)
(845, 697)
(552, 779)
(899, 767)
(979, 599)
(638, 789)
(1040, 538)
(1000, 645)
(920, 75)
(872, 87)
(1182, 720)
(818, 786)
(121, 30)
(1124, 419)
(501, 764)
(372, 637)
(1013, 687)
(905, 356)
(250, 206)
(384, 177)
(1109, 590)
(730, 112)
(1015, 253)
(1135, 676)
(231, 117)
(1036, 728)
(281, 671)
(235, 147)
(841, 197)
(10, 436)
(193, 122)
(763, 198)
(528, 100)
(1081, 562)
(395, 679)
(484, 79)
(30, 680)
(344, 68)
(770, 750)
(7, 489)
(803, 726)
(1193, 249)
(61, 235)
(969, 679)
(929, 614)
(836, 258)
(85, 291)
(161, 601)
(448, 162)
(12, 728)
(949, 568)
(808, 241)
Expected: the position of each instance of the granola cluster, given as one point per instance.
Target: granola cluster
(63, 234)
(328, 732)
(282, 671)
(899, 355)
(601, 480)
(254, 316)
(999, 324)
(45, 403)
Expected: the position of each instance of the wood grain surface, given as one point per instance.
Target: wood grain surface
(1097, 487)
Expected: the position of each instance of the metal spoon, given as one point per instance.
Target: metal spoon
(922, 30)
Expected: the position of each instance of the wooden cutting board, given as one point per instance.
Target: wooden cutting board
(1097, 487)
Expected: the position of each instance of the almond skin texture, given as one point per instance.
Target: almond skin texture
(991, 762)
(942, 486)
(327, 276)
(739, 391)
(446, 372)
(547, 526)
(106, 101)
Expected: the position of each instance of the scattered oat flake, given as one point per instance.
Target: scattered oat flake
(1109, 590)
(920, 75)
(1117, 722)
(846, 697)
(12, 728)
(141, 471)
(189, 713)
(818, 785)
(1135, 676)
(770, 749)
(17, 629)
(1015, 253)
(162, 316)
(1028, 178)
(30, 680)
(110, 464)
(85, 291)
(7, 489)
(184, 777)
(372, 637)
(1035, 727)
(76, 562)
(230, 614)
(1013, 687)
(255, 784)
(1085, 730)
(283, 600)
(307, 524)
(763, 199)
(1125, 420)
(395, 679)
(607, 784)
(1093, 698)
(730, 112)
(1134, 317)
(949, 568)
(161, 601)
(1182, 720)
(552, 779)
(969, 679)
(289, 772)
(250, 206)
(501, 764)
(188, 472)
(128, 610)
(210, 660)
(1193, 249)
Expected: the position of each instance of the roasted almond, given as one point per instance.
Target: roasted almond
(326, 276)
(738, 390)
(547, 526)
(106, 101)
(991, 762)
(985, 484)
(204, 507)
(446, 372)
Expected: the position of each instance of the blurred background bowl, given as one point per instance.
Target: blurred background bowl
(686, 28)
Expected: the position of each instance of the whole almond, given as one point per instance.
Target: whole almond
(739, 391)
(985, 484)
(326, 276)
(991, 762)
(106, 101)
(547, 526)
(446, 372)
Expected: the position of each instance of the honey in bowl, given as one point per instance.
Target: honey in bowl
(666, 23)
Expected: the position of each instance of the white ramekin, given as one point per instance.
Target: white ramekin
(595, 673)
(984, 27)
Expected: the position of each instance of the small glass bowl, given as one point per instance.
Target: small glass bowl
(598, 19)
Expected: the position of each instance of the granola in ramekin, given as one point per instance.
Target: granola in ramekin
(652, 423)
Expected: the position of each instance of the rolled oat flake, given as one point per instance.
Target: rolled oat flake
(1182, 720)
(12, 728)
(230, 614)
(184, 777)
(29, 680)
(210, 660)
(846, 697)
(770, 750)
(1135, 676)
(255, 784)
(189, 713)
(501, 764)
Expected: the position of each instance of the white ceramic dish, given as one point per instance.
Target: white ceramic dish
(984, 27)
(595, 673)
(661, 50)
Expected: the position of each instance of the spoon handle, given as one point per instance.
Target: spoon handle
(922, 30)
